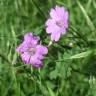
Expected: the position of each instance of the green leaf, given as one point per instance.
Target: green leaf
(50, 91)
(81, 55)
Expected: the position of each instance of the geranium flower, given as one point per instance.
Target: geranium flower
(30, 51)
(57, 24)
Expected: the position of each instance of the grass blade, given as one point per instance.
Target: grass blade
(89, 22)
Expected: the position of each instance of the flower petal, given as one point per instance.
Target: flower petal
(55, 36)
(63, 31)
(37, 64)
(65, 19)
(26, 57)
(60, 11)
(35, 61)
(51, 29)
(22, 47)
(50, 22)
(41, 49)
(53, 14)
(29, 38)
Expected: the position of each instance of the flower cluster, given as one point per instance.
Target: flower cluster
(31, 51)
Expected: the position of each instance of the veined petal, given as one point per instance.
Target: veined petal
(22, 47)
(53, 14)
(50, 22)
(41, 49)
(65, 19)
(26, 57)
(66, 15)
(38, 64)
(63, 31)
(35, 61)
(60, 11)
(28, 36)
(51, 29)
(55, 36)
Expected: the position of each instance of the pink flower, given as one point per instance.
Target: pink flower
(57, 24)
(31, 52)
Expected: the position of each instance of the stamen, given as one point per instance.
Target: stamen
(31, 51)
(60, 23)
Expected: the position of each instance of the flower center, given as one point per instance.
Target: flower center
(60, 23)
(31, 51)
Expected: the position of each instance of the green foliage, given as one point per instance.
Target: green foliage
(70, 66)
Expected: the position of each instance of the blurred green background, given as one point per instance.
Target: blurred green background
(70, 66)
